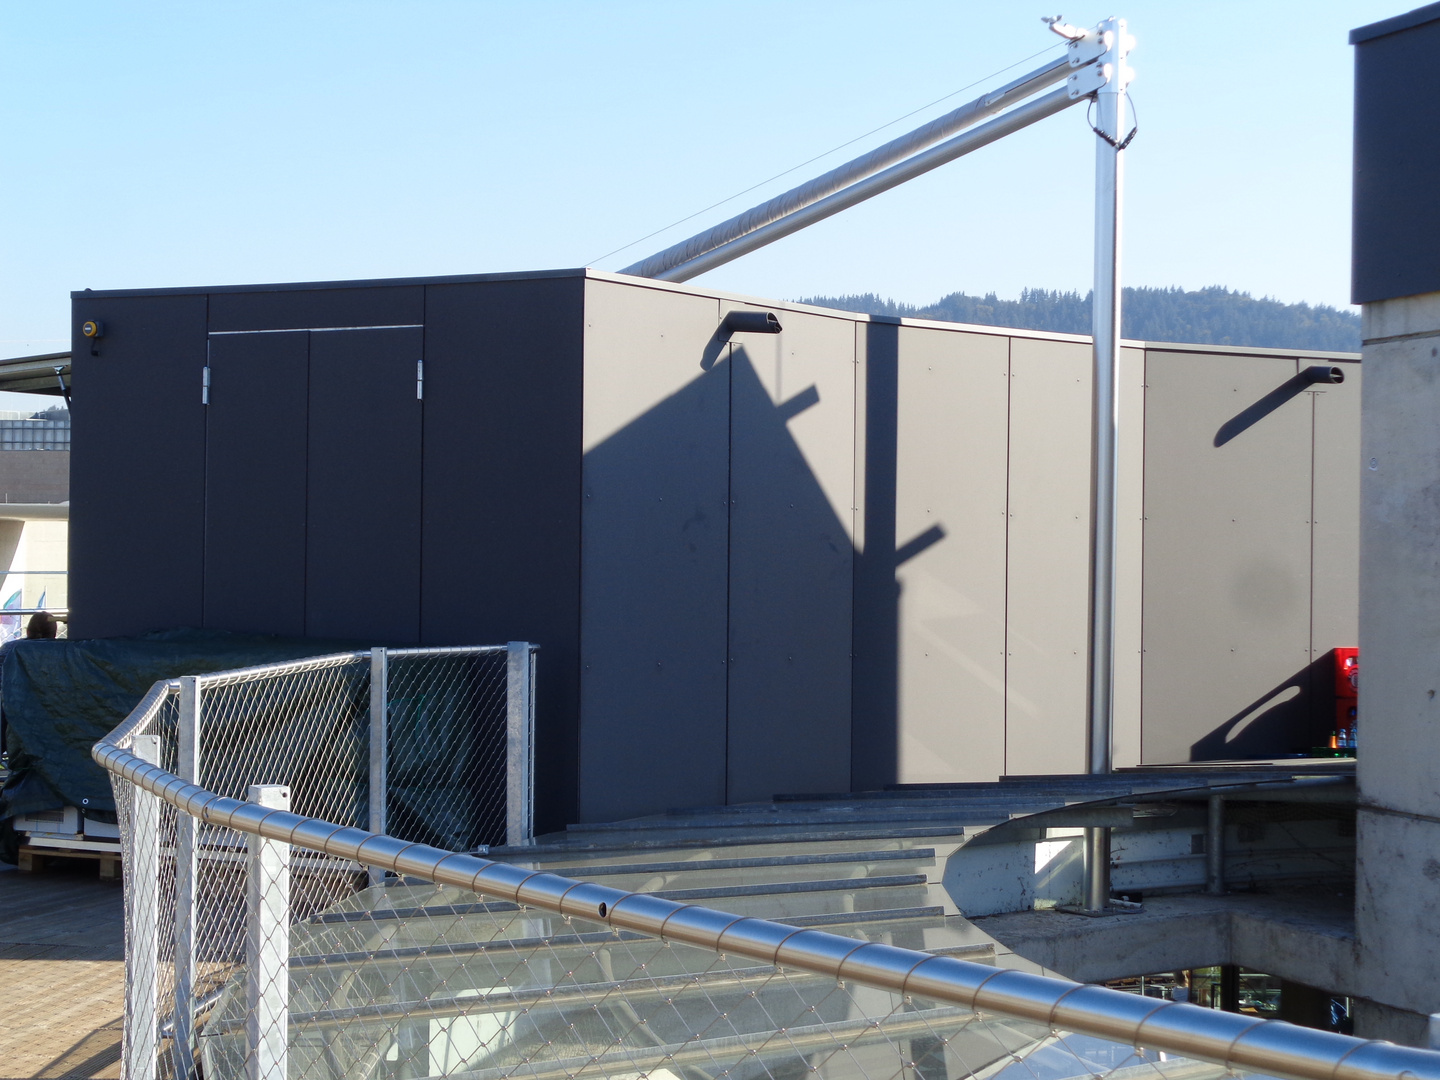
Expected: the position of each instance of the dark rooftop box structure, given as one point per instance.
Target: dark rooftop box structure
(847, 554)
(1396, 218)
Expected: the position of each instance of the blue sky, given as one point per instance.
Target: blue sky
(152, 144)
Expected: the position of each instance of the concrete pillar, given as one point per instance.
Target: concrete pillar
(1398, 827)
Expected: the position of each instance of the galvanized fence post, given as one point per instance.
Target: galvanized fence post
(519, 742)
(186, 867)
(379, 747)
(267, 946)
(142, 902)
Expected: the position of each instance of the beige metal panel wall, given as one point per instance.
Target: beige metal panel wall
(1047, 572)
(1335, 591)
(791, 557)
(1129, 549)
(874, 651)
(949, 554)
(653, 553)
(1227, 554)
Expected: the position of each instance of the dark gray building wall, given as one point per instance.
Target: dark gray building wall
(849, 554)
(138, 465)
(501, 493)
(1396, 216)
(308, 307)
(364, 472)
(256, 485)
(317, 495)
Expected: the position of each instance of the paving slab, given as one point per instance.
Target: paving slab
(62, 974)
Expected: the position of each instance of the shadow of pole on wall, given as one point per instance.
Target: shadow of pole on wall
(875, 694)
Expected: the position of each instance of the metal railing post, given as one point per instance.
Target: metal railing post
(379, 747)
(519, 743)
(186, 868)
(267, 946)
(142, 903)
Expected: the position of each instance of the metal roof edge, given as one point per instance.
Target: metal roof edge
(959, 327)
(311, 286)
(1393, 25)
(836, 313)
(695, 290)
(1244, 350)
(38, 358)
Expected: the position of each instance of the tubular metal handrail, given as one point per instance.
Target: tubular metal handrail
(1229, 1039)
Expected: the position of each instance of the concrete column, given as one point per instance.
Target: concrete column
(1398, 828)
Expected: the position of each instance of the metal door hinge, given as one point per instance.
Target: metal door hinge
(419, 380)
(205, 385)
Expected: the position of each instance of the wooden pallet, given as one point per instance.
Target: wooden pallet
(35, 858)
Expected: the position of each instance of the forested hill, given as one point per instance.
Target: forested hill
(1213, 316)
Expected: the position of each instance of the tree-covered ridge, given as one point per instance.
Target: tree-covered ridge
(1212, 316)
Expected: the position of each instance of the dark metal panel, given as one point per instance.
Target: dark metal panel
(501, 488)
(255, 464)
(308, 308)
(137, 466)
(792, 462)
(362, 567)
(653, 578)
(1396, 217)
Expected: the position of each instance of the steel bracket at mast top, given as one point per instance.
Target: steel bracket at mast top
(1111, 44)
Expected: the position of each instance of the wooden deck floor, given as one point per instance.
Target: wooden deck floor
(62, 990)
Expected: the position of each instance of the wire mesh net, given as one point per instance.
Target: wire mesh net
(410, 979)
(299, 964)
(304, 728)
(448, 741)
(304, 725)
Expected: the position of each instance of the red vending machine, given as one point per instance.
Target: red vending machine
(1347, 696)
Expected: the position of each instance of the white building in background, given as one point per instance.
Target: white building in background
(34, 492)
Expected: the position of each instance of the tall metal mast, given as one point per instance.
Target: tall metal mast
(1098, 74)
(1105, 315)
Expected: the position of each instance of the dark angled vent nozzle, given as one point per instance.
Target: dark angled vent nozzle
(751, 322)
(1324, 373)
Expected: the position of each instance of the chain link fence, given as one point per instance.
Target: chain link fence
(415, 980)
(326, 737)
(294, 964)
